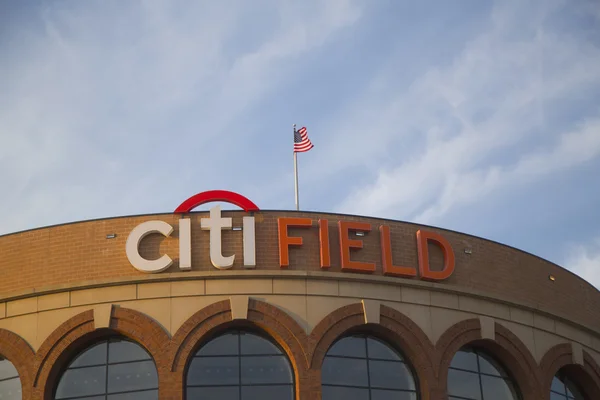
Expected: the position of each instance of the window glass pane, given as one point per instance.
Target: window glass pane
(344, 393)
(556, 396)
(365, 368)
(378, 349)
(497, 389)
(489, 366)
(390, 375)
(464, 384)
(465, 359)
(252, 344)
(214, 371)
(269, 369)
(557, 386)
(132, 376)
(252, 366)
(7, 370)
(81, 382)
(214, 393)
(103, 397)
(344, 371)
(377, 394)
(145, 395)
(95, 355)
(121, 351)
(573, 392)
(267, 392)
(221, 346)
(10, 389)
(349, 347)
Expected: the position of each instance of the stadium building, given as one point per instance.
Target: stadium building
(280, 305)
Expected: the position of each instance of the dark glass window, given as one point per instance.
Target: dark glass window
(10, 383)
(114, 369)
(474, 375)
(365, 368)
(240, 365)
(564, 389)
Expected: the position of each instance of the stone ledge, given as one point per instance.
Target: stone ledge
(287, 274)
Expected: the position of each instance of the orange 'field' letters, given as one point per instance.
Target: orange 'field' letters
(346, 244)
(285, 241)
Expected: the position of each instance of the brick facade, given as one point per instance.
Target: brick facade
(40, 371)
(80, 252)
(58, 257)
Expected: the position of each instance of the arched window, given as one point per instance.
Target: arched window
(564, 389)
(113, 369)
(474, 375)
(10, 383)
(365, 368)
(240, 365)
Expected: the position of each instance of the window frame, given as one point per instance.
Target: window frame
(17, 377)
(239, 331)
(504, 374)
(366, 336)
(568, 384)
(107, 340)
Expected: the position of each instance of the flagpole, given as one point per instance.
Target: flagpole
(296, 175)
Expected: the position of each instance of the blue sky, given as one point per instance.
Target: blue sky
(477, 116)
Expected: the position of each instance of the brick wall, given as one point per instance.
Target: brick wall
(80, 252)
(40, 371)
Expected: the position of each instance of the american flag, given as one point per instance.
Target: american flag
(301, 141)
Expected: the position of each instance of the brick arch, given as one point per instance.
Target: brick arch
(395, 328)
(507, 348)
(586, 376)
(217, 318)
(16, 350)
(77, 333)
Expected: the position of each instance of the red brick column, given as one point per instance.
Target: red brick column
(77, 333)
(506, 348)
(394, 328)
(586, 376)
(216, 319)
(17, 351)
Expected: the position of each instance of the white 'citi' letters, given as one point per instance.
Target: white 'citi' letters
(214, 223)
(249, 243)
(133, 244)
(185, 244)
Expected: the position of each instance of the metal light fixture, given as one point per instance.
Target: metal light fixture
(551, 277)
(360, 233)
(468, 251)
(111, 236)
(236, 228)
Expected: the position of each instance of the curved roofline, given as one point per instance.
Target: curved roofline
(311, 212)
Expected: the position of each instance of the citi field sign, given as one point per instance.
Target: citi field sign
(215, 224)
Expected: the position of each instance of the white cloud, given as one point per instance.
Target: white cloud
(573, 148)
(584, 260)
(103, 105)
(486, 121)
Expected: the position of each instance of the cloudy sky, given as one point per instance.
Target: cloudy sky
(477, 116)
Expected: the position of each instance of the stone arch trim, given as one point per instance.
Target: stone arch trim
(506, 348)
(194, 329)
(586, 376)
(16, 350)
(394, 327)
(78, 332)
(216, 318)
(282, 327)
